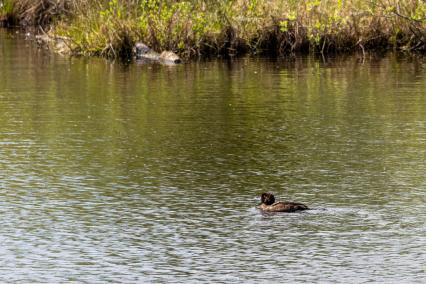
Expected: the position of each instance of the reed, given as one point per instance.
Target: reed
(204, 27)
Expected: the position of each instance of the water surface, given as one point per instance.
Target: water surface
(150, 174)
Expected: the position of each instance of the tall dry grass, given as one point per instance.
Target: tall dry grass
(35, 12)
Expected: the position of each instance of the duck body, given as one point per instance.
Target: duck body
(282, 206)
(269, 205)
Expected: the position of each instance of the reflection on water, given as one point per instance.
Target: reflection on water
(150, 174)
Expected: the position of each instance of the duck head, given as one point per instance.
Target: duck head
(267, 198)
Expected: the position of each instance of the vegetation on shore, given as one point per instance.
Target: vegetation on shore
(204, 27)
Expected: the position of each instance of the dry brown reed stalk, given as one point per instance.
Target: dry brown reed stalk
(39, 12)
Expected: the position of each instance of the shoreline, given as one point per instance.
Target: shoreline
(203, 29)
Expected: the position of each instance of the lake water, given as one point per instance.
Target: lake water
(113, 173)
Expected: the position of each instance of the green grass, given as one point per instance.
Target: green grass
(110, 27)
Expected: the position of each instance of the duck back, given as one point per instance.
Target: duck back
(283, 206)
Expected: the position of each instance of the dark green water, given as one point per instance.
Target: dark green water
(151, 174)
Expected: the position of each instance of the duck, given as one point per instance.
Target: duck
(268, 204)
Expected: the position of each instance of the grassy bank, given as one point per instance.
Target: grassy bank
(204, 27)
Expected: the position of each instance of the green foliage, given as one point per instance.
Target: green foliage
(114, 11)
(284, 26)
(6, 7)
(165, 24)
